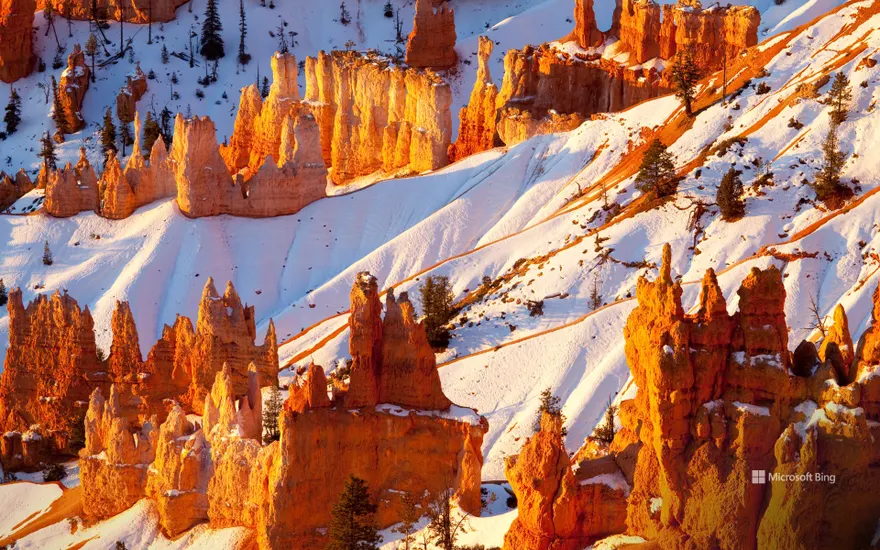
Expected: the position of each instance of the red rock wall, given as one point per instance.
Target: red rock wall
(431, 43)
(17, 57)
(133, 11)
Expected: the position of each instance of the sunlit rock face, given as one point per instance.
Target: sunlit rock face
(431, 44)
(719, 398)
(17, 58)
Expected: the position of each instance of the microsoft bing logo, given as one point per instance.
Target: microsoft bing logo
(759, 477)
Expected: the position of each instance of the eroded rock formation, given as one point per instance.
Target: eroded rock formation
(13, 188)
(72, 91)
(431, 44)
(71, 190)
(53, 366)
(220, 472)
(130, 93)
(719, 398)
(17, 57)
(134, 11)
(476, 131)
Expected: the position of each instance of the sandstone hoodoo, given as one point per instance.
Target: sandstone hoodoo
(53, 364)
(135, 11)
(476, 130)
(72, 89)
(17, 58)
(719, 398)
(13, 188)
(72, 189)
(431, 43)
(408, 439)
(134, 89)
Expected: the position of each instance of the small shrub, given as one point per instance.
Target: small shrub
(200, 93)
(795, 123)
(724, 145)
(605, 431)
(536, 307)
(552, 405)
(763, 88)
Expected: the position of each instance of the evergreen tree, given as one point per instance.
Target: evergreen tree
(4, 297)
(243, 57)
(437, 299)
(49, 14)
(605, 431)
(352, 522)
(212, 42)
(47, 152)
(550, 404)
(283, 46)
(839, 98)
(409, 517)
(657, 172)
(595, 295)
(12, 117)
(389, 13)
(729, 197)
(165, 118)
(151, 133)
(91, 51)
(827, 182)
(58, 109)
(264, 89)
(47, 255)
(121, 31)
(125, 138)
(344, 16)
(270, 415)
(685, 75)
(165, 56)
(108, 134)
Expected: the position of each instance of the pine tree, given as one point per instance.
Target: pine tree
(409, 517)
(352, 522)
(124, 136)
(165, 57)
(165, 118)
(264, 89)
(49, 14)
(283, 46)
(595, 296)
(685, 75)
(827, 182)
(437, 299)
(839, 98)
(4, 297)
(108, 134)
(729, 197)
(389, 13)
(657, 172)
(243, 57)
(344, 16)
(121, 31)
(12, 117)
(58, 109)
(550, 404)
(47, 152)
(91, 51)
(47, 255)
(212, 42)
(151, 133)
(270, 415)
(605, 431)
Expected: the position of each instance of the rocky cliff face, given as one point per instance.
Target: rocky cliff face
(135, 11)
(72, 90)
(17, 57)
(476, 131)
(13, 188)
(52, 366)
(431, 43)
(220, 473)
(719, 398)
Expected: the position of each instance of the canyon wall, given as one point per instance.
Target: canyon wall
(133, 11)
(719, 398)
(431, 44)
(53, 365)
(219, 472)
(17, 58)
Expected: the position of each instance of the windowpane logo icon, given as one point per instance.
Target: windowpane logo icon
(759, 477)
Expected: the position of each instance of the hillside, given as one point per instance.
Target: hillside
(531, 218)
